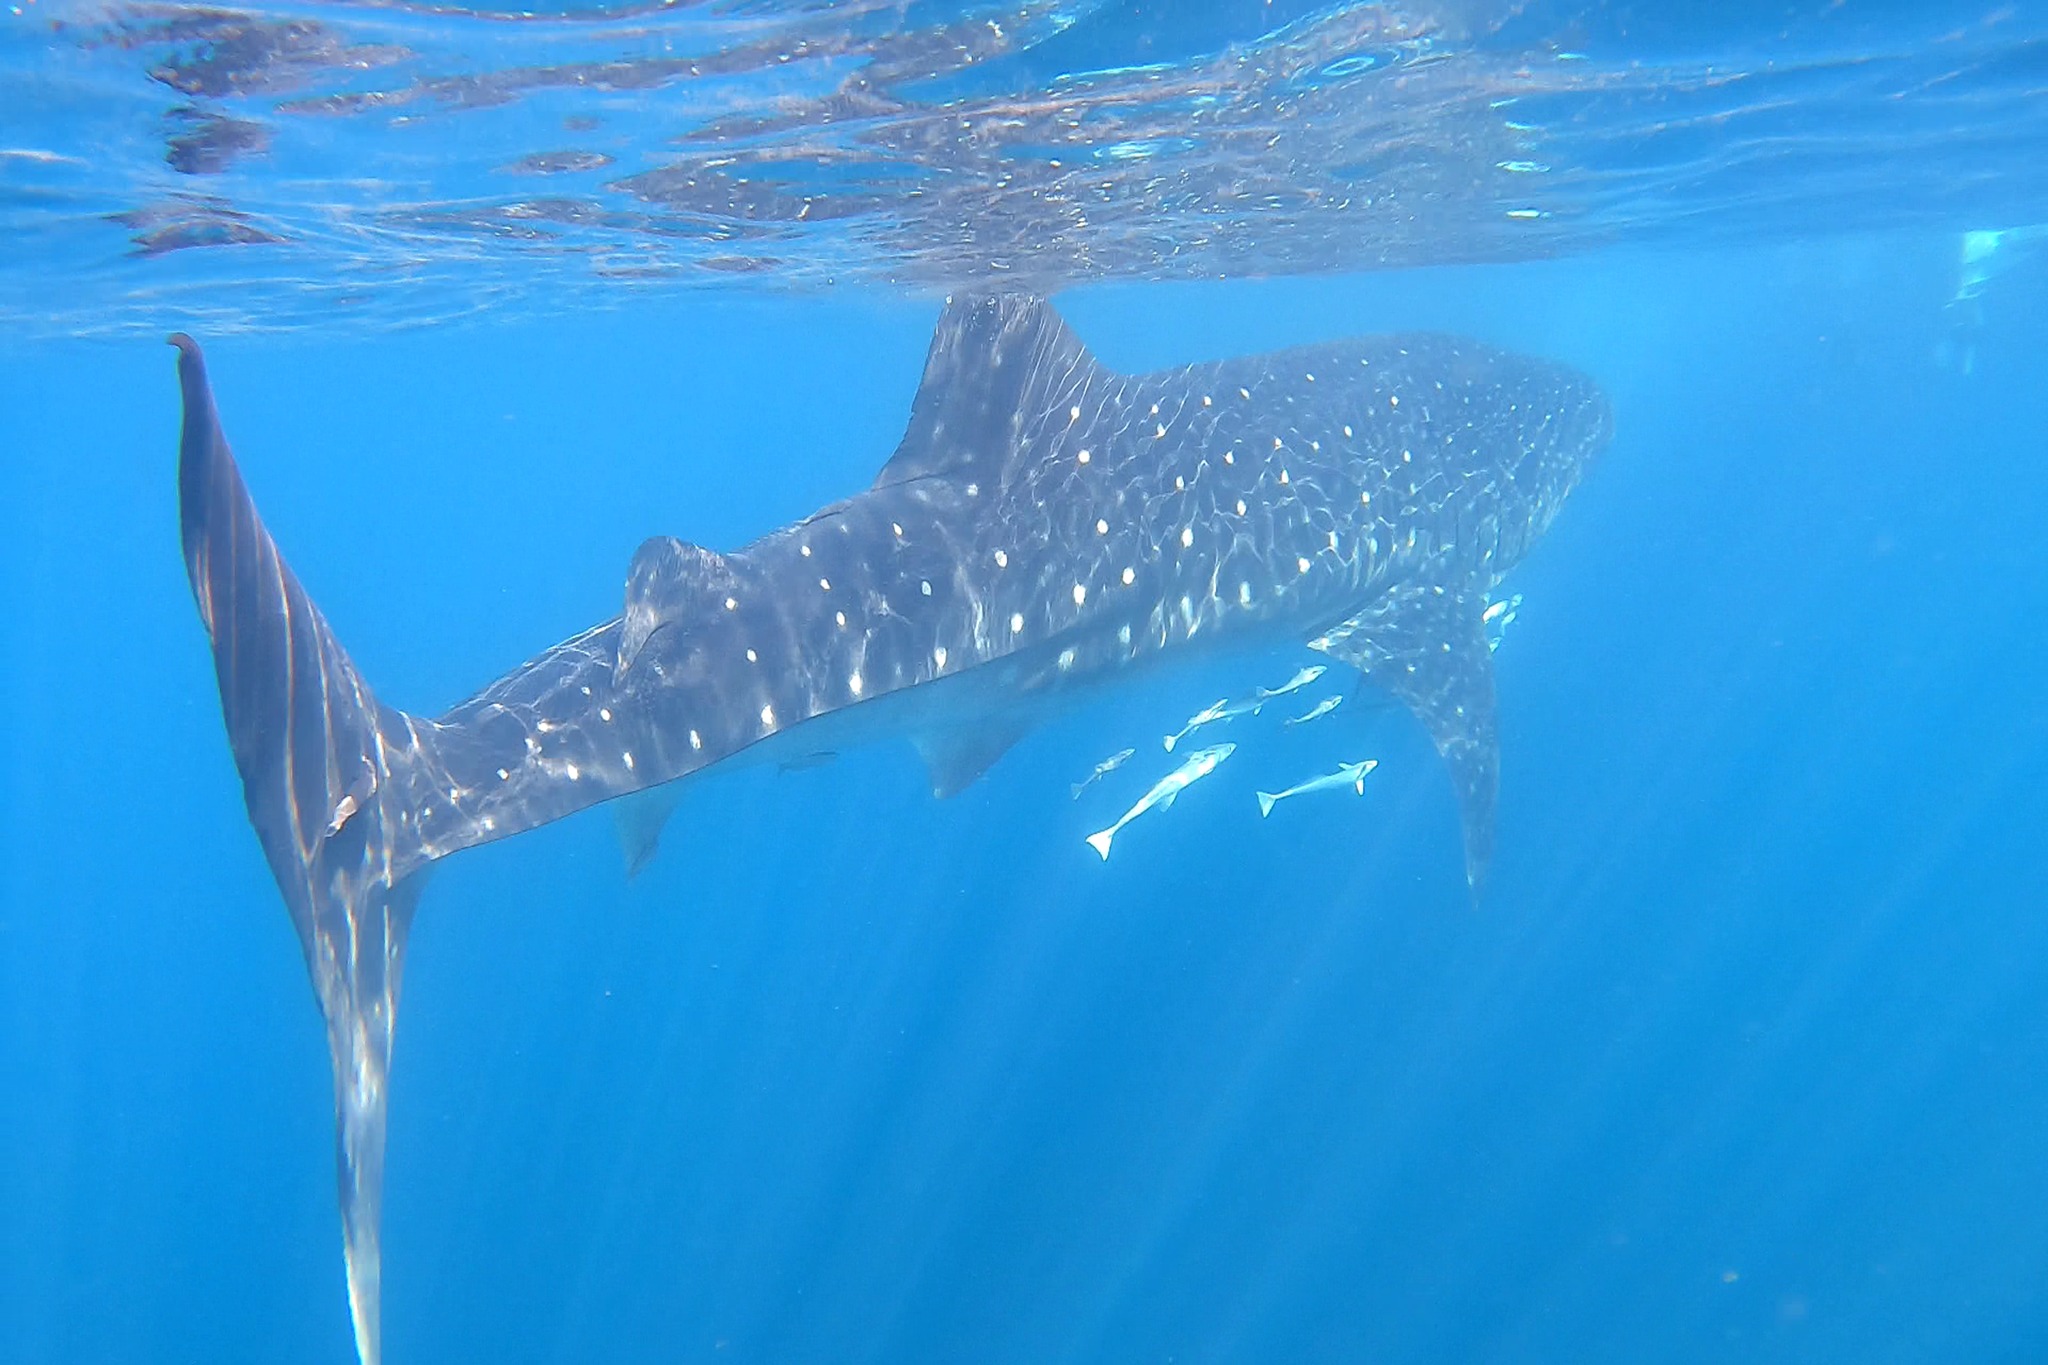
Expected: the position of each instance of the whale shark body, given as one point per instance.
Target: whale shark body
(1045, 524)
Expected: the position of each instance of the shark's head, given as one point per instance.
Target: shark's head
(1564, 431)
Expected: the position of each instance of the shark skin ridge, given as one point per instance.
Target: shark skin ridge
(1046, 523)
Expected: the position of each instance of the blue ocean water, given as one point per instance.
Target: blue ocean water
(1741, 1057)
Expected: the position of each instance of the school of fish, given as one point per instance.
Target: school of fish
(1496, 619)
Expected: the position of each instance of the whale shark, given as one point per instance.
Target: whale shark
(1046, 524)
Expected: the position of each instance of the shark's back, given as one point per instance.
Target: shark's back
(1283, 486)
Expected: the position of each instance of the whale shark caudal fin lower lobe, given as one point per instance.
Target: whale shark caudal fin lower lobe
(328, 775)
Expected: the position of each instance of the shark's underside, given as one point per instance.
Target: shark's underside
(1045, 523)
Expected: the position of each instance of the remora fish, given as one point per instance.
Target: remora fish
(1221, 709)
(1248, 705)
(1301, 679)
(1496, 619)
(1347, 775)
(1045, 522)
(1165, 791)
(1102, 770)
(1316, 712)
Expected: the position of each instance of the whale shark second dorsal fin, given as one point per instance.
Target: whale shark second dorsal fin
(669, 583)
(994, 364)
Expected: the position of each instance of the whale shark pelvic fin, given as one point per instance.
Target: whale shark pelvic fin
(956, 759)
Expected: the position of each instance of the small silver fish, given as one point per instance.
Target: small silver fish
(1194, 768)
(1249, 704)
(1496, 619)
(1347, 775)
(1294, 684)
(1318, 711)
(1223, 709)
(1102, 770)
(352, 800)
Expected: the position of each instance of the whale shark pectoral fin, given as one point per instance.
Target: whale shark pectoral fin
(956, 759)
(1427, 646)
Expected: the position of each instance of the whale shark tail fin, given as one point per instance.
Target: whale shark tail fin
(1266, 800)
(329, 775)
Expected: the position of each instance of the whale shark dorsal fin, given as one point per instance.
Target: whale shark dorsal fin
(994, 364)
(1426, 645)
